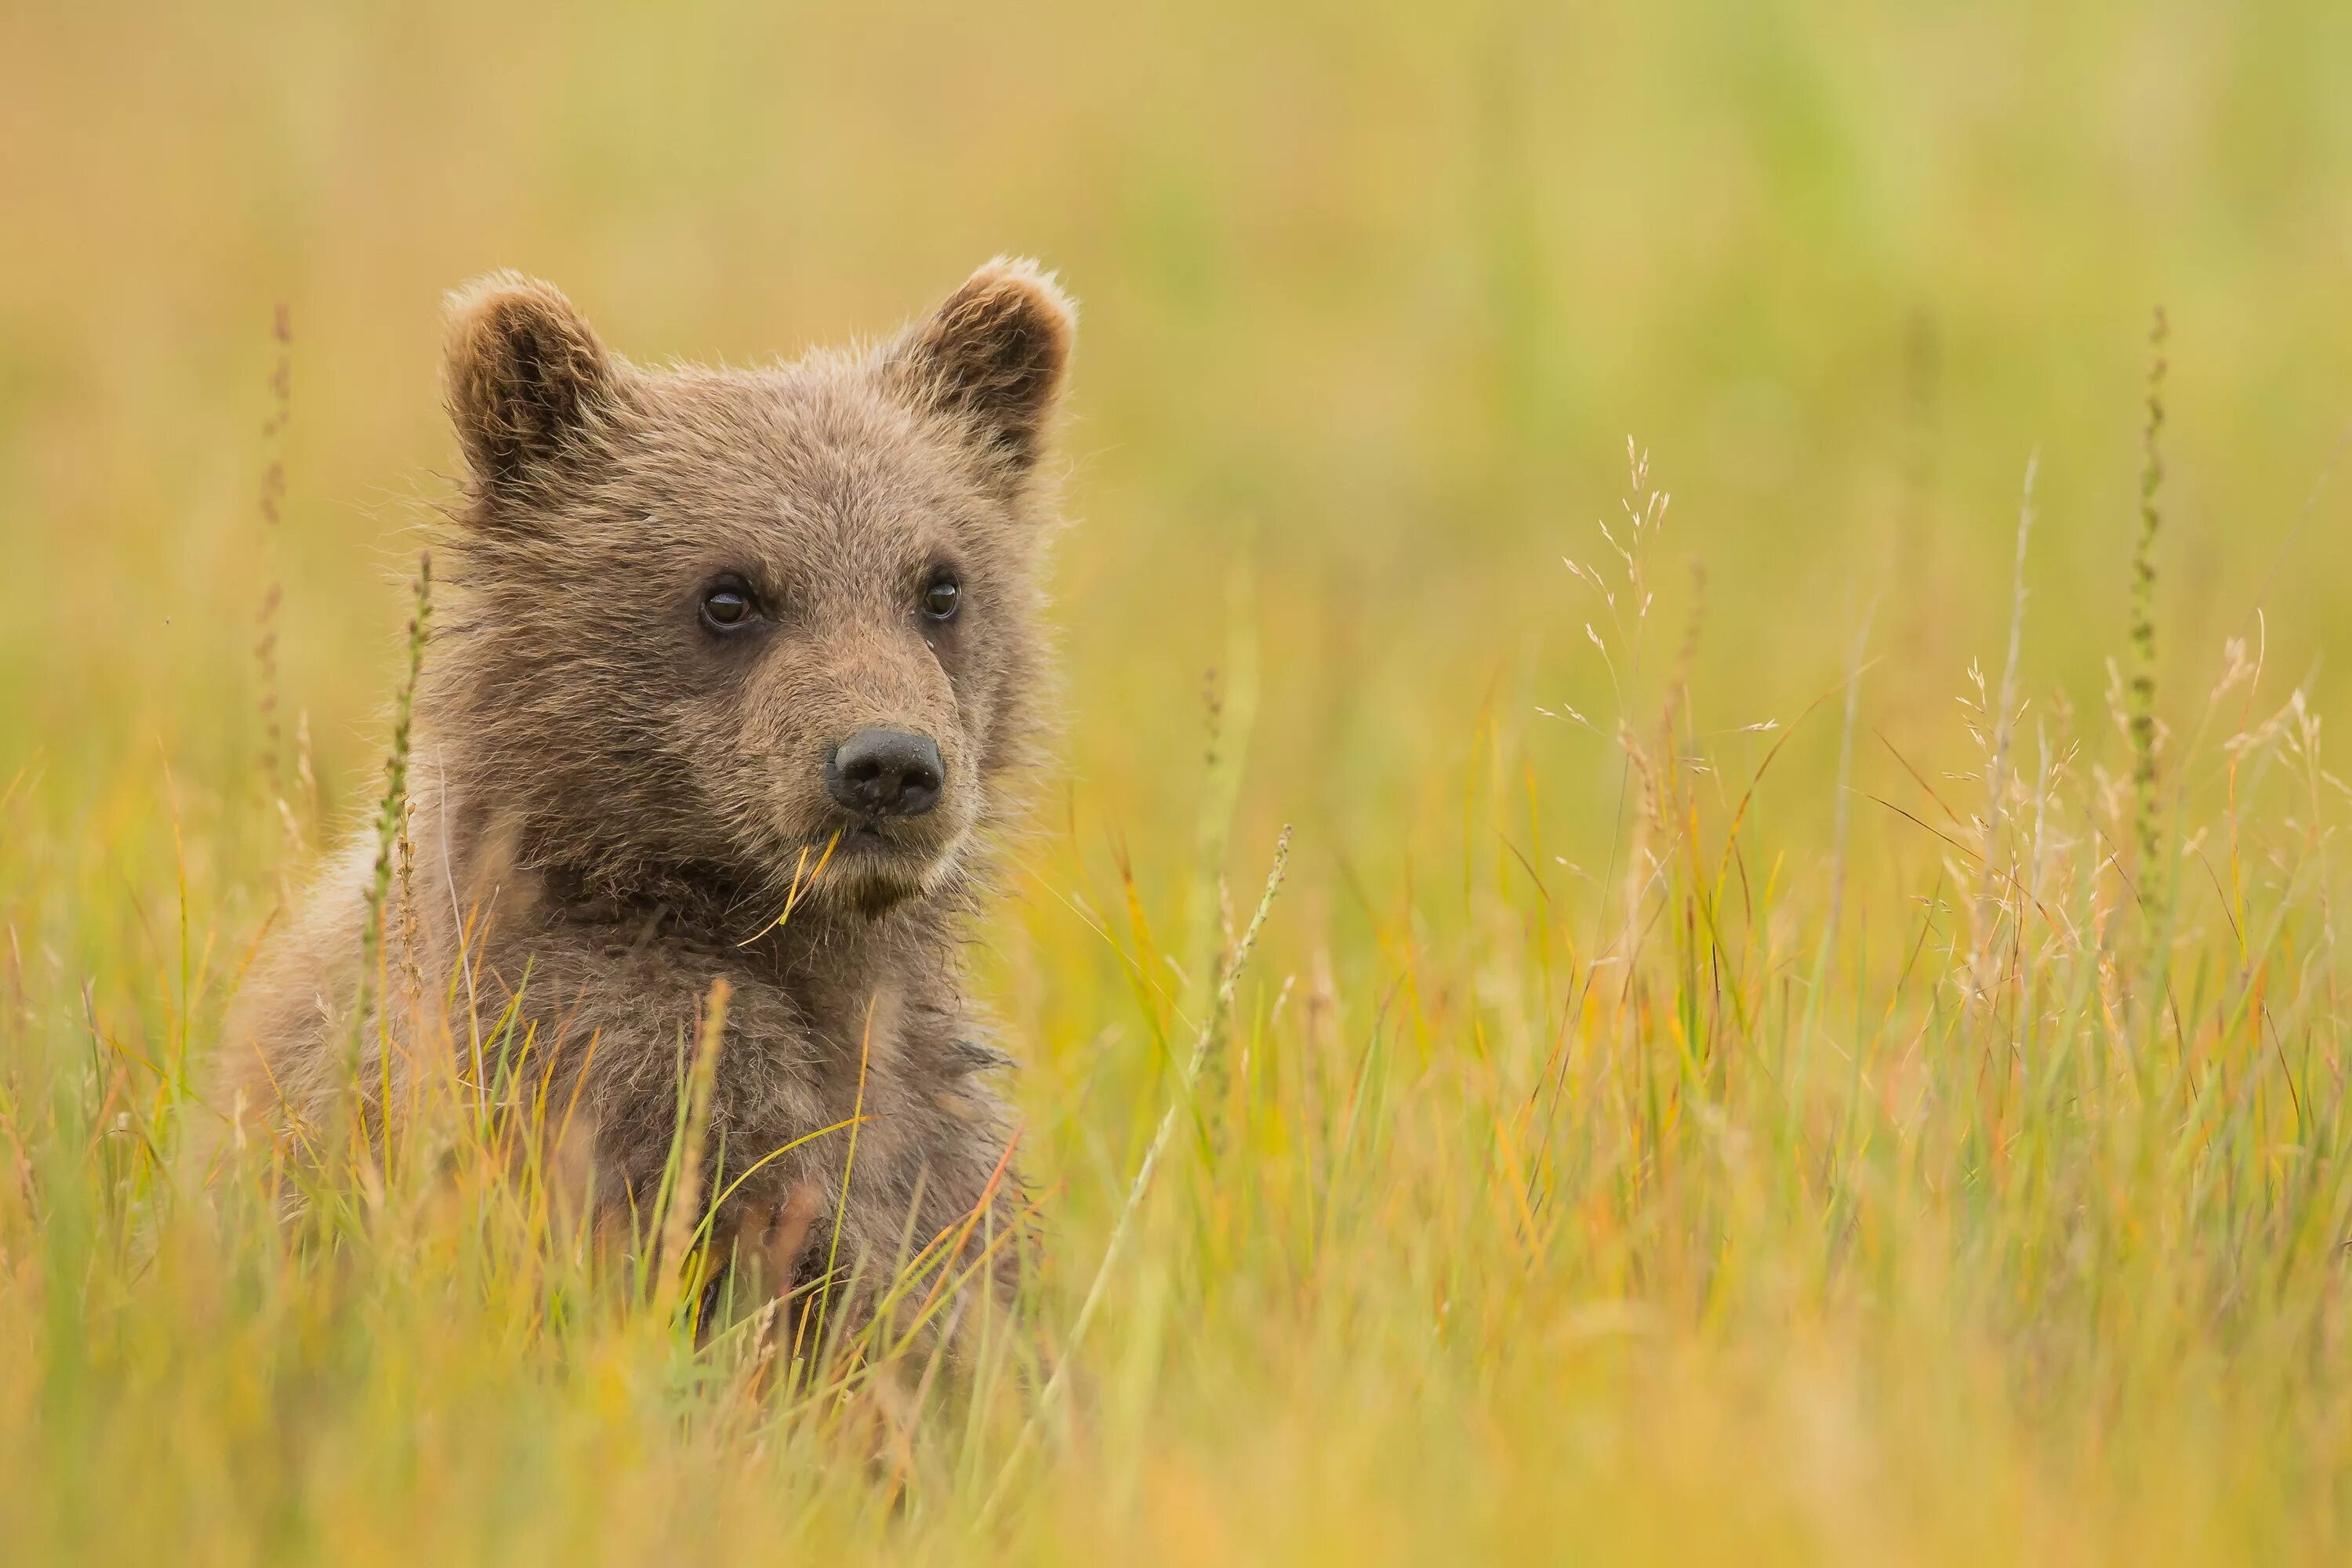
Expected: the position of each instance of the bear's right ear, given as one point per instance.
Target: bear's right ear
(526, 379)
(995, 355)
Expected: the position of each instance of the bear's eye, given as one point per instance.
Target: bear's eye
(727, 604)
(941, 594)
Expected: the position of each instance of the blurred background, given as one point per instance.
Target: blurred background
(1374, 296)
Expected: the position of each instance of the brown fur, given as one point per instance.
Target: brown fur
(620, 799)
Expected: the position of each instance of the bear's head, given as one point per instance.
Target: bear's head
(716, 629)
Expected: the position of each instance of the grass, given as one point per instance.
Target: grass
(1687, 1091)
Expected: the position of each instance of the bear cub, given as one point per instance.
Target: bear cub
(713, 643)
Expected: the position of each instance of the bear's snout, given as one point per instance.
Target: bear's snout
(886, 773)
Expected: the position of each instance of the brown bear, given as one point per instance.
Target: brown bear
(715, 642)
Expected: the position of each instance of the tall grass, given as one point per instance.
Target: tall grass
(1649, 1214)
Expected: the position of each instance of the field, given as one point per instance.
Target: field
(1802, 1023)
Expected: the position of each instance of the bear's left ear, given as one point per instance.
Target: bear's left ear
(994, 355)
(527, 380)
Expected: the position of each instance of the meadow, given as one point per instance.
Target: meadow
(1693, 805)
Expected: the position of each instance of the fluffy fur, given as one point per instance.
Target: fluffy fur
(619, 799)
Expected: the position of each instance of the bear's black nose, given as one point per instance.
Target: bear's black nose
(885, 772)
